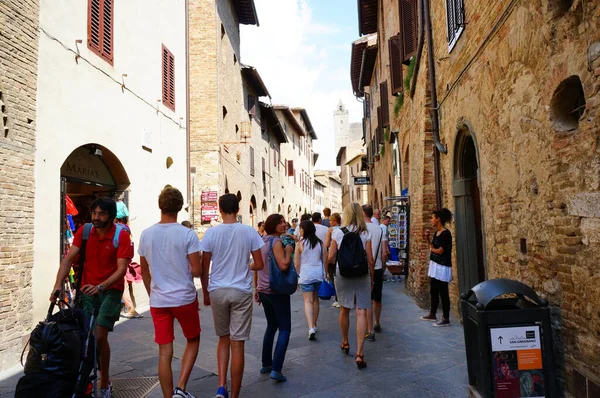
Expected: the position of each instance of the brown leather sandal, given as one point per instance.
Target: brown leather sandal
(362, 363)
(345, 347)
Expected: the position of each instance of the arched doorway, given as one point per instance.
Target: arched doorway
(469, 222)
(264, 210)
(89, 172)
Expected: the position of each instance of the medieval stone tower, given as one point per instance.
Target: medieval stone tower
(341, 126)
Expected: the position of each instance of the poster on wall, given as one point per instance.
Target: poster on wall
(210, 208)
(517, 362)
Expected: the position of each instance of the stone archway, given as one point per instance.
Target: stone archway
(470, 244)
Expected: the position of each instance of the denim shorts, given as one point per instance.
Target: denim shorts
(310, 287)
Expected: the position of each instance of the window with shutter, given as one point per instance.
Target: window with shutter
(290, 168)
(264, 165)
(395, 48)
(100, 28)
(378, 129)
(251, 105)
(455, 18)
(408, 26)
(168, 78)
(251, 161)
(385, 108)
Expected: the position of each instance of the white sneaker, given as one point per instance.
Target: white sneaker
(105, 392)
(179, 393)
(335, 304)
(312, 334)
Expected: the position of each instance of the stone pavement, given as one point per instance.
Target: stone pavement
(410, 358)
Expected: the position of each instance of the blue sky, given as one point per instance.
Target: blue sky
(302, 52)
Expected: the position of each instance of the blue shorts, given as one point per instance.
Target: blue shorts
(310, 287)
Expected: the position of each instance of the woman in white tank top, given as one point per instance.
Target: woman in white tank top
(309, 260)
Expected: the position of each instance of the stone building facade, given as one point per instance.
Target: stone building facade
(18, 84)
(217, 103)
(518, 109)
(239, 142)
(299, 159)
(332, 190)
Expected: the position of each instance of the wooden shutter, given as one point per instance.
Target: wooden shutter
(100, 28)
(251, 161)
(385, 108)
(290, 167)
(168, 78)
(395, 48)
(455, 17)
(377, 139)
(408, 26)
(251, 105)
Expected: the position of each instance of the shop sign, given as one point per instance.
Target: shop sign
(210, 209)
(210, 196)
(517, 362)
(82, 165)
(362, 180)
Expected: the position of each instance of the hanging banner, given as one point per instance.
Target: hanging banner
(517, 362)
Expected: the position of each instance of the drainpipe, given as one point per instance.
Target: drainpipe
(187, 99)
(439, 147)
(421, 41)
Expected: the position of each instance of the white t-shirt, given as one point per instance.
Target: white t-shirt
(384, 228)
(231, 246)
(321, 232)
(374, 220)
(338, 236)
(376, 234)
(166, 248)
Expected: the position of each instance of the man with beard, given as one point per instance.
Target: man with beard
(102, 279)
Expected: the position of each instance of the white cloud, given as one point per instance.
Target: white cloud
(297, 66)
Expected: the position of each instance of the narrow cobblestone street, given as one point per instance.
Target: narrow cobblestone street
(409, 358)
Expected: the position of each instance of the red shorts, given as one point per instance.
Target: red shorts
(163, 319)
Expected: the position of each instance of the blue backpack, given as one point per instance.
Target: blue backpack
(281, 282)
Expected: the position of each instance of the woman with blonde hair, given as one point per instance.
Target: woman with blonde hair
(353, 290)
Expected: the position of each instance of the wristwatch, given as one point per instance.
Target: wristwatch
(100, 288)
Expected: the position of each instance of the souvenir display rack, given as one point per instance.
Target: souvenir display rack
(399, 235)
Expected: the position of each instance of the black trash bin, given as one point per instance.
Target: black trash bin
(508, 341)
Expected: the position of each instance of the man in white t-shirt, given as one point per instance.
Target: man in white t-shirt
(229, 291)
(320, 229)
(379, 246)
(169, 259)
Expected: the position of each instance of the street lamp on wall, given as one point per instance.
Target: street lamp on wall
(246, 130)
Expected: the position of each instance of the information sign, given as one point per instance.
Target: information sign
(362, 180)
(517, 362)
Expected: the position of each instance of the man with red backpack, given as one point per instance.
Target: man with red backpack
(107, 251)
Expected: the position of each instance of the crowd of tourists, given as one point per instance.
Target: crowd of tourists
(238, 265)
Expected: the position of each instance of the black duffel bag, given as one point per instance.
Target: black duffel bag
(55, 352)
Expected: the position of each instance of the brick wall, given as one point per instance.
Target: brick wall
(537, 184)
(18, 78)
